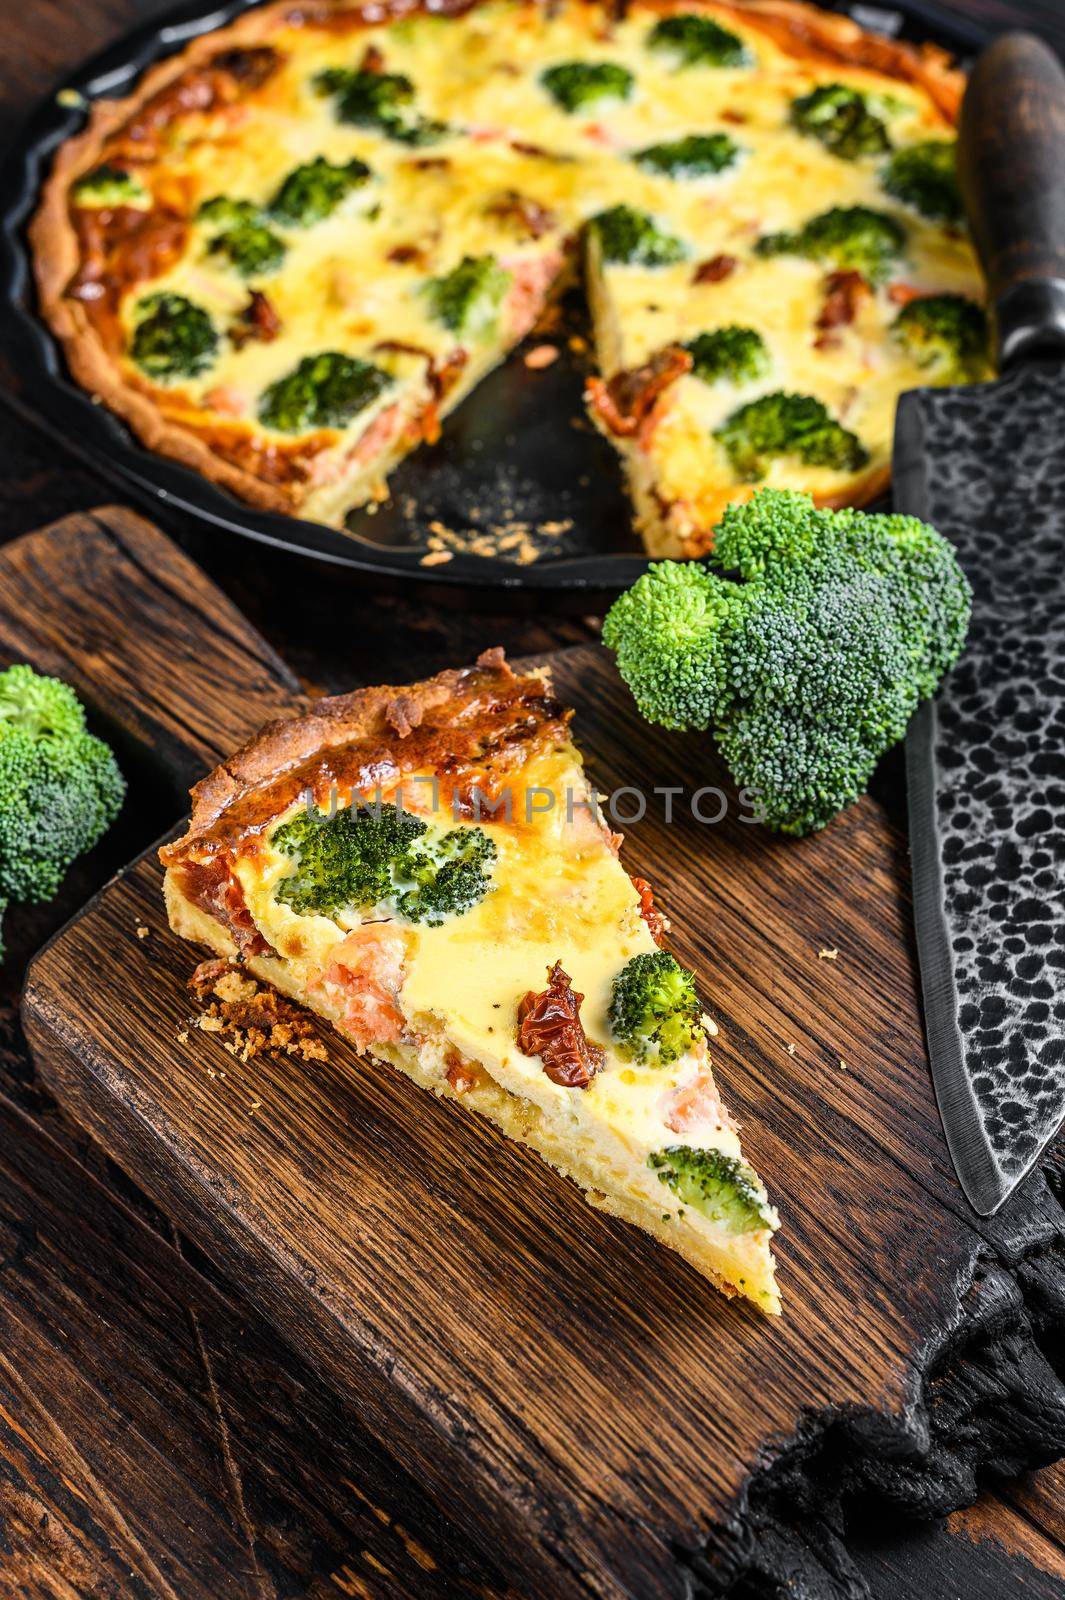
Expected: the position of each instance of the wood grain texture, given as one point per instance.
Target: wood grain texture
(583, 1402)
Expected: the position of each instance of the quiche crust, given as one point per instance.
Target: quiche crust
(803, 31)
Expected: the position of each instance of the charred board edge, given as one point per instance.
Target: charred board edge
(989, 1404)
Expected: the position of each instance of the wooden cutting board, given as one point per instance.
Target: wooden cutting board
(575, 1397)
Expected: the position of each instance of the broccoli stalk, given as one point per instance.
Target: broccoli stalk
(60, 787)
(730, 354)
(691, 40)
(467, 299)
(323, 391)
(787, 425)
(808, 659)
(579, 85)
(633, 238)
(314, 191)
(720, 1187)
(363, 858)
(947, 335)
(842, 119)
(925, 177)
(698, 155)
(855, 238)
(173, 337)
(655, 1015)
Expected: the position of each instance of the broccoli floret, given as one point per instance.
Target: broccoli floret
(696, 41)
(808, 659)
(578, 85)
(60, 787)
(947, 334)
(110, 186)
(720, 1187)
(173, 337)
(699, 155)
(381, 100)
(841, 118)
(633, 238)
(845, 237)
(467, 299)
(238, 232)
(787, 425)
(363, 858)
(733, 354)
(323, 391)
(312, 192)
(925, 177)
(655, 1015)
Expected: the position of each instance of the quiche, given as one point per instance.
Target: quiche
(304, 238)
(428, 870)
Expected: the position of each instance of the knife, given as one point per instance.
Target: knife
(985, 762)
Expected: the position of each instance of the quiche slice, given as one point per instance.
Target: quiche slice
(427, 869)
(305, 236)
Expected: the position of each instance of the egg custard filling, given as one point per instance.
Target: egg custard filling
(305, 237)
(470, 922)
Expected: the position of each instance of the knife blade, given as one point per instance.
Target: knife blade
(985, 761)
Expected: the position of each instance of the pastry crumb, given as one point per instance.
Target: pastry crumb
(252, 1016)
(791, 1049)
(436, 558)
(827, 955)
(842, 1065)
(540, 356)
(142, 931)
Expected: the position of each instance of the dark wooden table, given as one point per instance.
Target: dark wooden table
(155, 1439)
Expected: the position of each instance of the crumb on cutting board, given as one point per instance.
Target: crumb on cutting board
(827, 955)
(251, 1015)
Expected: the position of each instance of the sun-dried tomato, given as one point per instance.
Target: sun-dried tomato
(549, 1026)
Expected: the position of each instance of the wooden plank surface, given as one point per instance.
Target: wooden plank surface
(617, 1448)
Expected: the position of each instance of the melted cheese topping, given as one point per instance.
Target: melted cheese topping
(359, 277)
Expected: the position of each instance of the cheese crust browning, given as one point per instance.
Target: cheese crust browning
(480, 162)
(452, 1001)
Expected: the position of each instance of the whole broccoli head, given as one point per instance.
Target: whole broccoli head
(323, 391)
(731, 354)
(948, 335)
(655, 1015)
(108, 186)
(60, 787)
(633, 238)
(381, 857)
(842, 119)
(312, 192)
(787, 425)
(467, 299)
(809, 658)
(692, 40)
(720, 1187)
(173, 337)
(238, 232)
(925, 177)
(381, 100)
(856, 238)
(698, 155)
(579, 85)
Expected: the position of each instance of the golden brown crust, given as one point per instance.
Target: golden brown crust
(468, 724)
(799, 28)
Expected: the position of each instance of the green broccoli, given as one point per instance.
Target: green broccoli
(782, 424)
(731, 354)
(857, 238)
(173, 337)
(323, 391)
(381, 100)
(467, 299)
(805, 644)
(655, 1015)
(948, 335)
(699, 155)
(60, 787)
(238, 232)
(579, 85)
(692, 40)
(842, 119)
(720, 1187)
(925, 177)
(312, 192)
(363, 857)
(633, 238)
(108, 186)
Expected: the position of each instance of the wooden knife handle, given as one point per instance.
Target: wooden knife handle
(1011, 166)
